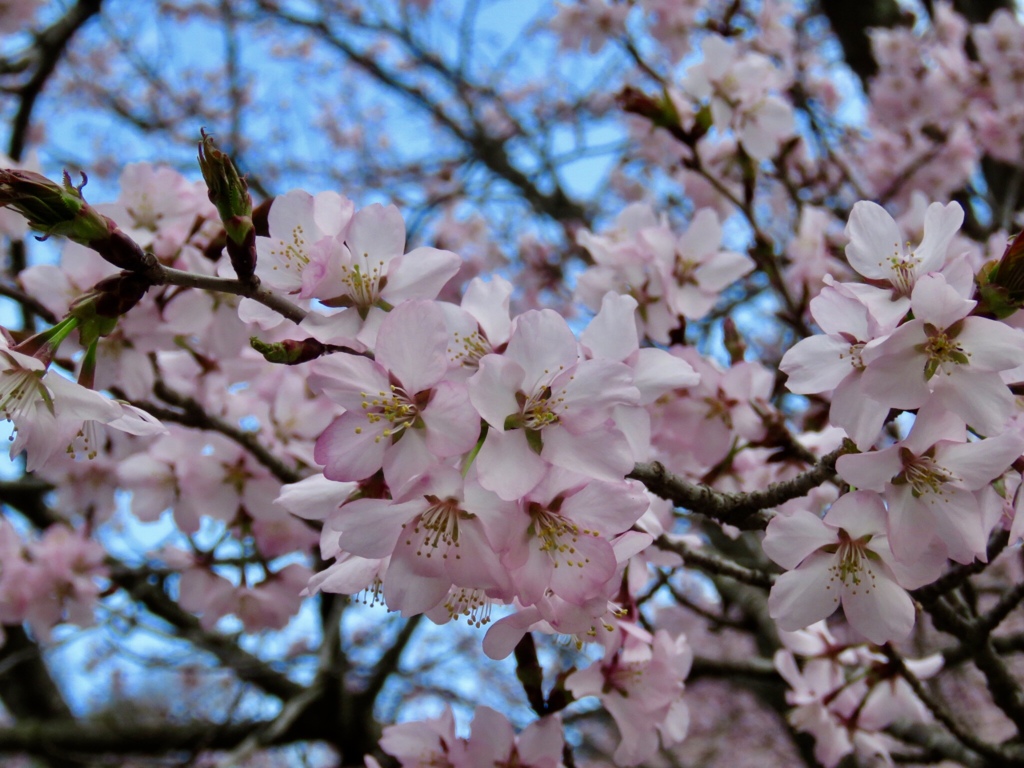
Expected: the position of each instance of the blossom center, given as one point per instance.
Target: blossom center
(471, 603)
(558, 536)
(923, 474)
(942, 348)
(684, 269)
(851, 566)
(19, 390)
(855, 354)
(904, 268)
(363, 284)
(541, 409)
(468, 349)
(294, 253)
(396, 407)
(437, 528)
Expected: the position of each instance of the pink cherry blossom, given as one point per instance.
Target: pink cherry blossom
(434, 536)
(365, 268)
(544, 404)
(835, 360)
(845, 559)
(401, 412)
(944, 357)
(492, 741)
(297, 221)
(928, 481)
(641, 684)
(878, 250)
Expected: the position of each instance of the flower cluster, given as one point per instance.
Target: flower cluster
(907, 341)
(845, 696)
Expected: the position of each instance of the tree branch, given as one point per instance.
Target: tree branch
(738, 509)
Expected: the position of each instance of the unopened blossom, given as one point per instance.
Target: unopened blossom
(843, 559)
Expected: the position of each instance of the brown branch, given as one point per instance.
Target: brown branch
(1003, 755)
(753, 668)
(192, 414)
(743, 510)
(715, 564)
(161, 275)
(246, 666)
(60, 737)
(50, 46)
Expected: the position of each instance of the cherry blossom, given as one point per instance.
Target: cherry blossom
(947, 358)
(928, 481)
(878, 251)
(843, 558)
(401, 412)
(640, 684)
(543, 403)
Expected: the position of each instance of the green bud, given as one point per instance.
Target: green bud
(230, 194)
(289, 351)
(1009, 273)
(51, 208)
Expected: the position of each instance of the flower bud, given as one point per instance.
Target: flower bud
(289, 351)
(111, 297)
(60, 209)
(230, 194)
(52, 208)
(1009, 273)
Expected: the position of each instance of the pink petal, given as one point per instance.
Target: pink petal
(452, 425)
(508, 466)
(376, 235)
(603, 453)
(790, 539)
(817, 364)
(493, 388)
(412, 344)
(801, 597)
(880, 609)
(870, 470)
(543, 346)
(352, 447)
(419, 274)
(613, 333)
(874, 239)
